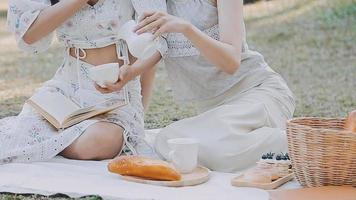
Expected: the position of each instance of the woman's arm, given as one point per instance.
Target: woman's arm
(144, 68)
(50, 18)
(226, 53)
(147, 83)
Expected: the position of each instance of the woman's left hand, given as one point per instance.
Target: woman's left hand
(160, 23)
(125, 76)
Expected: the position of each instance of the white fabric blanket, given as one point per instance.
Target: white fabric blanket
(79, 178)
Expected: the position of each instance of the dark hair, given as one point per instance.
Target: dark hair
(54, 1)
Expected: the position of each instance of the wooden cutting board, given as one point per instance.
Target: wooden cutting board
(240, 182)
(198, 176)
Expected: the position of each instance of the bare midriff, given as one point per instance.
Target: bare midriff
(99, 56)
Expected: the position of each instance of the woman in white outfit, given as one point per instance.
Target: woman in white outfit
(243, 103)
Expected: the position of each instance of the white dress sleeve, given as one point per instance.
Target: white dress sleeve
(152, 5)
(21, 15)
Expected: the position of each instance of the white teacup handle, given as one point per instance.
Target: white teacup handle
(172, 158)
(171, 155)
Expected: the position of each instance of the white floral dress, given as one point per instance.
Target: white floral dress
(29, 137)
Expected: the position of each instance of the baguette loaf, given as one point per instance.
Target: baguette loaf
(142, 167)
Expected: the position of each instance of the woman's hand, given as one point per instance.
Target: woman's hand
(224, 53)
(129, 72)
(125, 76)
(160, 23)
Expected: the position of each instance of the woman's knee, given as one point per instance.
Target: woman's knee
(100, 141)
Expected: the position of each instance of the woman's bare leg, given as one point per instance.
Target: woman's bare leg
(102, 140)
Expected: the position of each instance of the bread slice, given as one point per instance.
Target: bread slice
(143, 167)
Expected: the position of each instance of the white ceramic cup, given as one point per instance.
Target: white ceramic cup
(184, 154)
(140, 46)
(106, 73)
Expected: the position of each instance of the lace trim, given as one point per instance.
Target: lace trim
(180, 46)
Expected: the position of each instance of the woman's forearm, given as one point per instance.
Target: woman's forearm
(141, 66)
(146, 69)
(147, 83)
(225, 56)
(50, 18)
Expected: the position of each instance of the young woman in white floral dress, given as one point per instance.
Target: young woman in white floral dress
(243, 103)
(88, 29)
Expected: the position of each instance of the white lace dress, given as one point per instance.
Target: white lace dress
(29, 137)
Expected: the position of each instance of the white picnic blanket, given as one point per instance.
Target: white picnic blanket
(79, 178)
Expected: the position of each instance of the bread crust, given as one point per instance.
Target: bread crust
(143, 167)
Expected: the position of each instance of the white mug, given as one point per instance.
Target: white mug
(184, 154)
(106, 73)
(140, 46)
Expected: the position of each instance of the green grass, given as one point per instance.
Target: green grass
(339, 12)
(310, 42)
(41, 197)
(312, 47)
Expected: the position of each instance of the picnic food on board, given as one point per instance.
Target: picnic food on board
(256, 176)
(271, 171)
(270, 167)
(350, 123)
(143, 167)
(278, 165)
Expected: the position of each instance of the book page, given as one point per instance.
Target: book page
(55, 104)
(62, 112)
(100, 108)
(78, 118)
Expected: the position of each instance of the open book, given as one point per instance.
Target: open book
(63, 112)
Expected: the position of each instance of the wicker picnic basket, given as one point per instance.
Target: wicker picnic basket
(322, 152)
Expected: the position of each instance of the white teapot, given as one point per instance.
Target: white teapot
(140, 46)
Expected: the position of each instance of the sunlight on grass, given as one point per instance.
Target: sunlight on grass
(315, 56)
(3, 4)
(267, 9)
